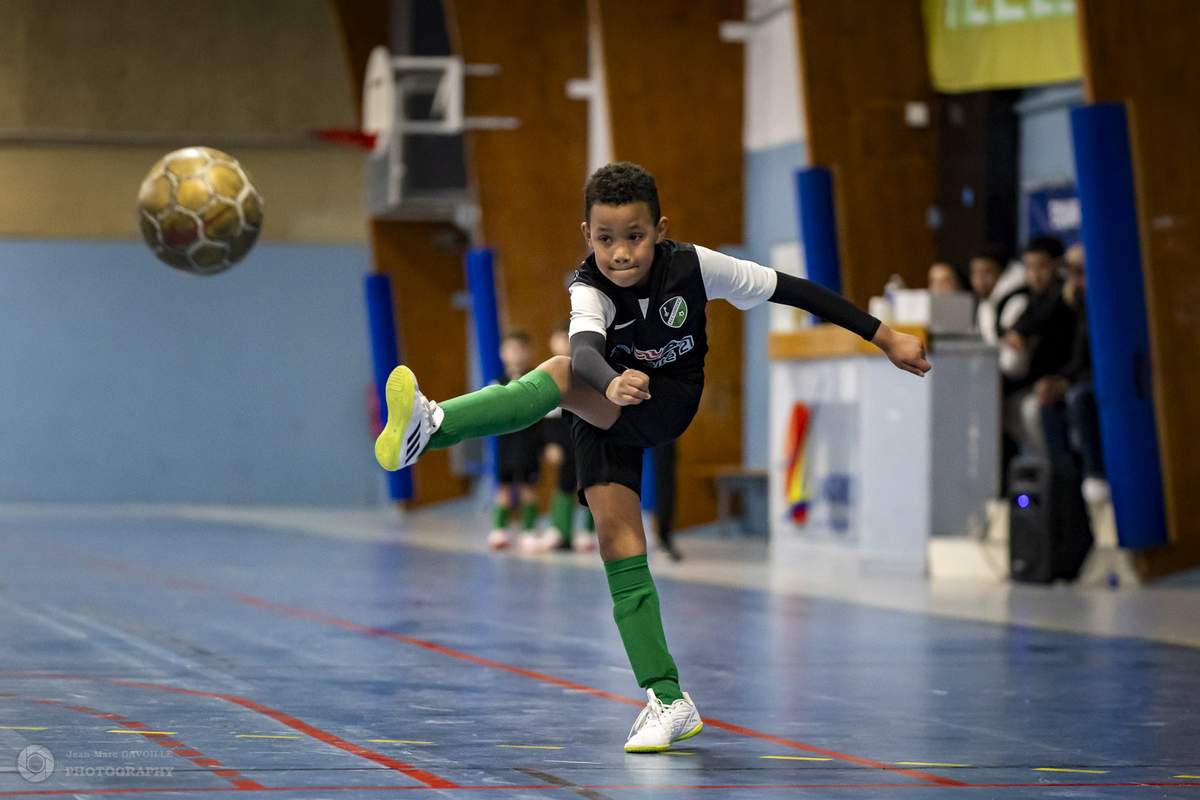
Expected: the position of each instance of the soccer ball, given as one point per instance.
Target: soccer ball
(198, 210)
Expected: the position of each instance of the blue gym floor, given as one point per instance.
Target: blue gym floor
(154, 656)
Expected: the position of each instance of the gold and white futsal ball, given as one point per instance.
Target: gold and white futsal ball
(198, 210)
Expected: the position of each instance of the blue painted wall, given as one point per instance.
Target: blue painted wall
(770, 219)
(126, 381)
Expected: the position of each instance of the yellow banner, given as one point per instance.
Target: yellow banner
(1001, 44)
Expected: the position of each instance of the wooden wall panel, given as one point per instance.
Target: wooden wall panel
(860, 64)
(425, 262)
(1147, 55)
(112, 66)
(363, 25)
(675, 93)
(529, 181)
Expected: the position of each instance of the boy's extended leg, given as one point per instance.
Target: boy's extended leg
(670, 715)
(415, 424)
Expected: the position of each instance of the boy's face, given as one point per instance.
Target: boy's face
(1040, 270)
(514, 353)
(623, 239)
(984, 275)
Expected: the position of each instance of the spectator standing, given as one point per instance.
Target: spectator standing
(1070, 421)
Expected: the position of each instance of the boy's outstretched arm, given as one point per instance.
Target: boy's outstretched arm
(745, 284)
(903, 350)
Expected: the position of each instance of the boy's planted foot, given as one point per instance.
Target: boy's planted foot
(411, 420)
(498, 539)
(658, 726)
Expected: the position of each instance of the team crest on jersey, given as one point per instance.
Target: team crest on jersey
(674, 312)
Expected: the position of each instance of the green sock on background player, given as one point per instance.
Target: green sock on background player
(500, 520)
(562, 513)
(494, 410)
(529, 516)
(636, 610)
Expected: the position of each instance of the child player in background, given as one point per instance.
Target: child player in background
(518, 460)
(560, 451)
(633, 380)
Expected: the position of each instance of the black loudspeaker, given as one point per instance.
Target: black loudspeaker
(1049, 533)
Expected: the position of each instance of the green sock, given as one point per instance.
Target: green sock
(494, 410)
(562, 511)
(501, 518)
(635, 608)
(529, 515)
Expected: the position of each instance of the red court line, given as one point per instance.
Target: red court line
(601, 787)
(427, 778)
(327, 619)
(211, 764)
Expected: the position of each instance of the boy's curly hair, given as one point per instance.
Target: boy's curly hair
(618, 184)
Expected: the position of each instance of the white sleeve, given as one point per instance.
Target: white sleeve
(743, 283)
(591, 310)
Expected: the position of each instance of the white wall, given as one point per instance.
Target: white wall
(775, 148)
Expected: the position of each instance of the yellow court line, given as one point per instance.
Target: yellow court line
(796, 758)
(144, 733)
(265, 736)
(23, 728)
(678, 753)
(397, 741)
(927, 764)
(1189, 777)
(1063, 769)
(530, 746)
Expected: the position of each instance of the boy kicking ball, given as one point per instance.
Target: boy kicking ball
(632, 381)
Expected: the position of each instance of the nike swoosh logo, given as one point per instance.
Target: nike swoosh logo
(624, 325)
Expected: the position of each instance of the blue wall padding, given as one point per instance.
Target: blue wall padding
(481, 282)
(818, 226)
(384, 357)
(649, 496)
(1116, 308)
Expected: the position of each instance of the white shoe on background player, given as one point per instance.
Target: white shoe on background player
(498, 539)
(550, 539)
(659, 726)
(411, 420)
(530, 543)
(583, 542)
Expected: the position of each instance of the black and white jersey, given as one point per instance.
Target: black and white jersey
(660, 326)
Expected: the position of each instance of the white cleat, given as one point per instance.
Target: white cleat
(411, 420)
(659, 726)
(498, 539)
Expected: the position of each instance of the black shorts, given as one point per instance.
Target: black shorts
(566, 470)
(615, 455)
(525, 474)
(518, 456)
